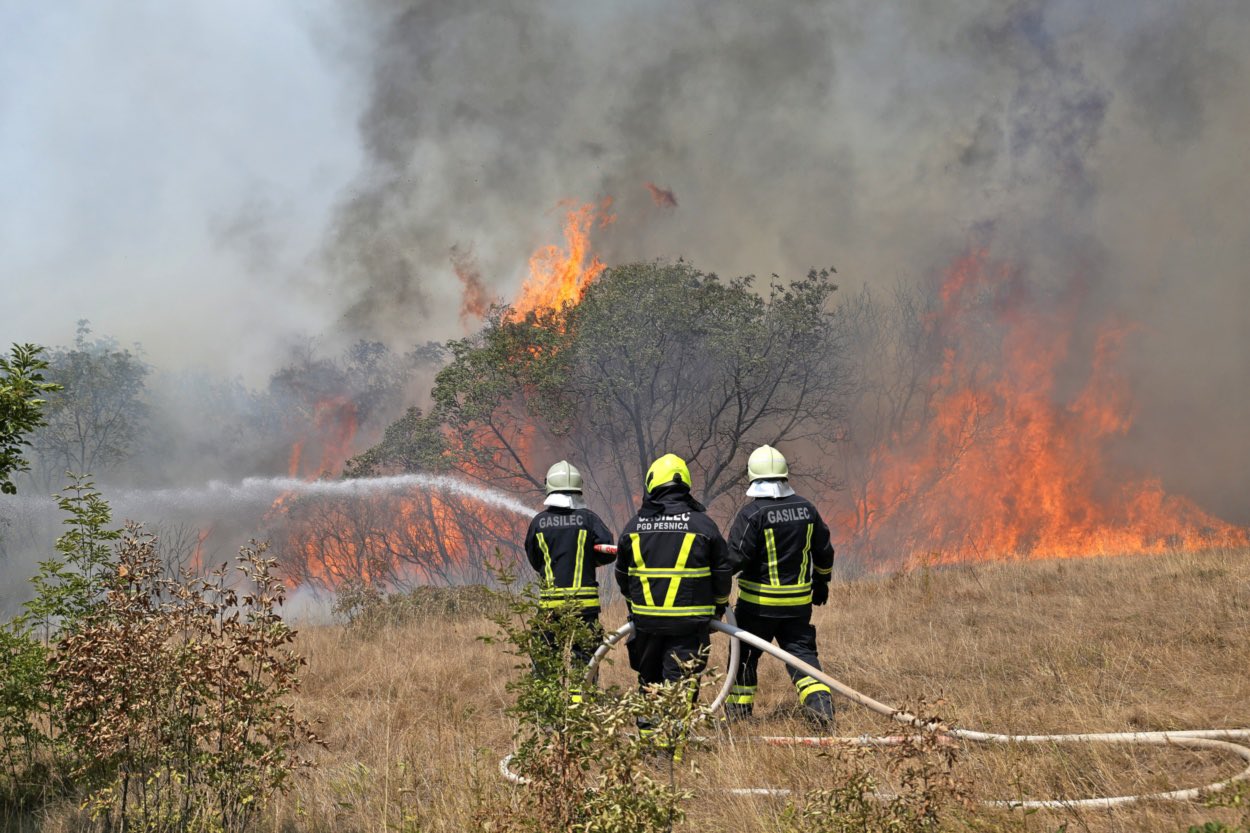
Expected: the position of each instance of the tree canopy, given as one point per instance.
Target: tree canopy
(656, 357)
(99, 411)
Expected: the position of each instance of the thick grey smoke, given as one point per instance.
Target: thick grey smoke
(216, 181)
(1096, 146)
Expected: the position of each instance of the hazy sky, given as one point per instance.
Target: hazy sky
(167, 169)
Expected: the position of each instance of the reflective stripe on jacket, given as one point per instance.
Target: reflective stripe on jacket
(673, 565)
(560, 547)
(782, 547)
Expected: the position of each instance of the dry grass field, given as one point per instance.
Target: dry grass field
(415, 725)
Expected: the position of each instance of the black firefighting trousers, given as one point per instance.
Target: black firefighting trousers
(794, 634)
(667, 658)
(659, 657)
(582, 648)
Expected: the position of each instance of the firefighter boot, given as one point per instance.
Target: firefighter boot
(818, 709)
(817, 702)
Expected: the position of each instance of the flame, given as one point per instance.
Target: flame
(333, 430)
(1003, 462)
(560, 276)
(396, 539)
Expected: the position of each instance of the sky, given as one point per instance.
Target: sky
(168, 170)
(216, 181)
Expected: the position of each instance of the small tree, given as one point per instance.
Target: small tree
(99, 412)
(585, 767)
(22, 388)
(68, 588)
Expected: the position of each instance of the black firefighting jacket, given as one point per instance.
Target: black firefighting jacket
(672, 564)
(782, 547)
(560, 547)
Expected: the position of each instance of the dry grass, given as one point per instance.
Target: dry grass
(414, 714)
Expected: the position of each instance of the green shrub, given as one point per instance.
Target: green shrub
(587, 767)
(68, 587)
(161, 704)
(929, 795)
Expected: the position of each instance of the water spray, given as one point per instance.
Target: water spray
(250, 491)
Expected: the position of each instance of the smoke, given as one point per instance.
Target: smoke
(1095, 146)
(218, 182)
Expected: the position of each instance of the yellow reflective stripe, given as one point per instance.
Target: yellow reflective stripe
(670, 572)
(581, 546)
(682, 557)
(573, 602)
(807, 557)
(823, 571)
(568, 592)
(770, 541)
(681, 610)
(775, 601)
(638, 562)
(774, 591)
(721, 600)
(807, 686)
(542, 544)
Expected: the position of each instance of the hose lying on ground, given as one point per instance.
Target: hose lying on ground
(1214, 739)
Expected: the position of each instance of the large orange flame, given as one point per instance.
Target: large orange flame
(392, 539)
(1004, 461)
(560, 275)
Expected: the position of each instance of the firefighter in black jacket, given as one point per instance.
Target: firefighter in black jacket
(560, 547)
(672, 566)
(781, 545)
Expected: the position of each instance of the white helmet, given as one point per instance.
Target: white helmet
(562, 477)
(767, 463)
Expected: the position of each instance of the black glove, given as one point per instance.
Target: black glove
(629, 611)
(820, 593)
(720, 611)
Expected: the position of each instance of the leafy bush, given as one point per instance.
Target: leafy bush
(67, 588)
(175, 694)
(161, 703)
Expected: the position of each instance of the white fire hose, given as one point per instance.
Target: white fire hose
(1214, 739)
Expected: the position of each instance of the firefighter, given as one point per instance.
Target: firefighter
(672, 566)
(560, 546)
(781, 546)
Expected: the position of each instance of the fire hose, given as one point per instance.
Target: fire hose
(1210, 739)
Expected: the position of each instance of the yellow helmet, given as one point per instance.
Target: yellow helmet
(563, 477)
(767, 463)
(668, 469)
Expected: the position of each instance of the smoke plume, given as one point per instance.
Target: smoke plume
(219, 183)
(1095, 147)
